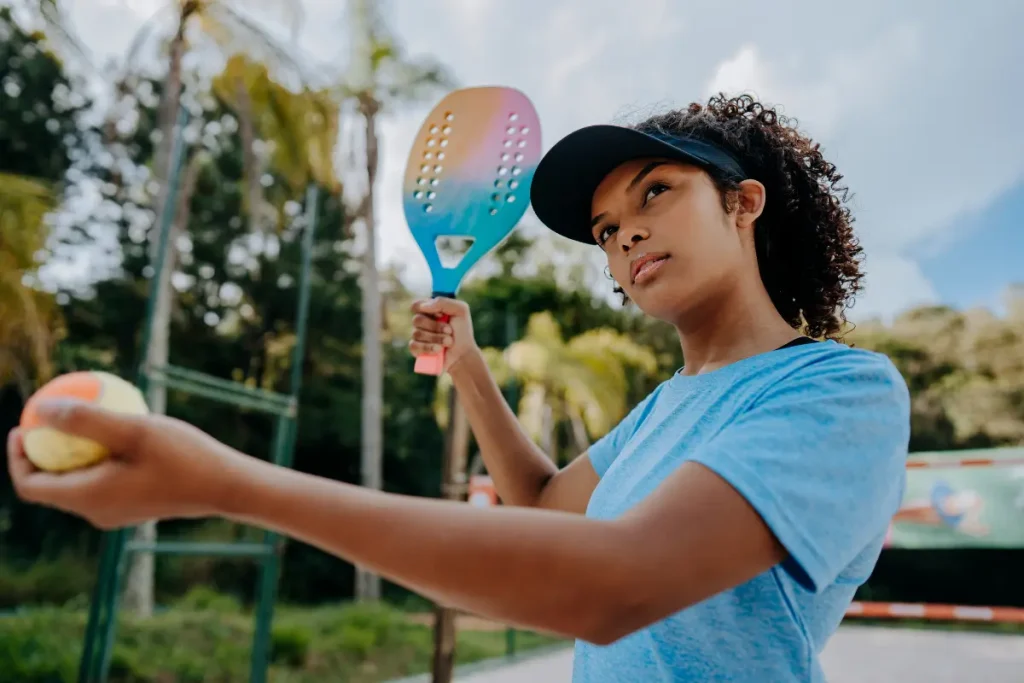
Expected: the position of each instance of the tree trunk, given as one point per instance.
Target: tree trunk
(252, 169)
(579, 429)
(548, 439)
(453, 481)
(368, 584)
(139, 580)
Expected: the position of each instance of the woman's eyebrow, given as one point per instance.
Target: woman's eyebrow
(637, 179)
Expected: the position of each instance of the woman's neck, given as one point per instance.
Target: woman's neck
(739, 323)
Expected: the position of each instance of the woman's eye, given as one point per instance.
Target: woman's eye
(606, 234)
(653, 191)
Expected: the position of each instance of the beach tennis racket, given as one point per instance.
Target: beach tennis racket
(467, 183)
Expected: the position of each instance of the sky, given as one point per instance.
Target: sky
(918, 103)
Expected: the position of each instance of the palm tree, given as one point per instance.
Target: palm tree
(28, 316)
(26, 322)
(225, 24)
(298, 129)
(582, 384)
(379, 77)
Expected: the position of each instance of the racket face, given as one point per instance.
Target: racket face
(468, 176)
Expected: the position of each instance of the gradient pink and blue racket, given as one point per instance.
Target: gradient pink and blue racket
(467, 180)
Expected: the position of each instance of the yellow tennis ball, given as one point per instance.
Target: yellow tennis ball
(54, 451)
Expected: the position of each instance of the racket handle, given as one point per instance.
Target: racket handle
(433, 363)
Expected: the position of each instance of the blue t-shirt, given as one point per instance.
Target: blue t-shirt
(815, 437)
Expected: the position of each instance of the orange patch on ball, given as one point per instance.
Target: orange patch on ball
(81, 386)
(54, 451)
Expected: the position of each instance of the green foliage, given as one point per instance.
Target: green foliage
(55, 581)
(206, 599)
(39, 107)
(352, 643)
(289, 645)
(965, 371)
(581, 383)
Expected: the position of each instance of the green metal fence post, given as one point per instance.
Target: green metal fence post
(284, 449)
(103, 610)
(305, 289)
(87, 669)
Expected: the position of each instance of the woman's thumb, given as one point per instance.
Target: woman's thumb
(115, 431)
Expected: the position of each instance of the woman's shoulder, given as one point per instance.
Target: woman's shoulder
(832, 364)
(834, 354)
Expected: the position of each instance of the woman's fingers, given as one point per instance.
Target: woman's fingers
(426, 337)
(422, 349)
(424, 342)
(429, 324)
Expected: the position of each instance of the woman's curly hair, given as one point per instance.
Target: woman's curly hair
(807, 253)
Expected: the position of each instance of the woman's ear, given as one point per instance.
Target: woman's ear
(751, 203)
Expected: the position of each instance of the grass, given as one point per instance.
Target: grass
(209, 641)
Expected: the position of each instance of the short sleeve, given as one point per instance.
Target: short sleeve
(603, 452)
(821, 456)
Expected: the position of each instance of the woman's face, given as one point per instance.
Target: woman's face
(670, 244)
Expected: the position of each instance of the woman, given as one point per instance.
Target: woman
(719, 532)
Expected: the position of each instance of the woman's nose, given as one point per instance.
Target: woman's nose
(630, 236)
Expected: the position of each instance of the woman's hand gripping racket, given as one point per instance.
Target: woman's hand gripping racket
(467, 180)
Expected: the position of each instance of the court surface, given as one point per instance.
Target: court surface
(854, 655)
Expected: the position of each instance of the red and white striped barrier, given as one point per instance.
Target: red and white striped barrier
(931, 612)
(956, 463)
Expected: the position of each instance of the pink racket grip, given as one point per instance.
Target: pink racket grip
(432, 364)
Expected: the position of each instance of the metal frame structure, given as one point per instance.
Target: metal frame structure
(94, 665)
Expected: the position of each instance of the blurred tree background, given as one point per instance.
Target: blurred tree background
(76, 213)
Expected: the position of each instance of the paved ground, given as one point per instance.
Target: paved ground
(855, 655)
(867, 655)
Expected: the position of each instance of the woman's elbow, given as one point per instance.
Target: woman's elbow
(623, 596)
(621, 614)
(611, 626)
(605, 635)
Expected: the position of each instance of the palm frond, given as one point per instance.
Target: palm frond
(303, 126)
(584, 379)
(20, 188)
(59, 34)
(233, 31)
(24, 204)
(25, 329)
(495, 360)
(380, 69)
(292, 14)
(142, 36)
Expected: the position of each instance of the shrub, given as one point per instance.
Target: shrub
(46, 582)
(289, 645)
(205, 638)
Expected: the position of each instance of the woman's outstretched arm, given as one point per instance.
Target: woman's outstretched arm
(559, 572)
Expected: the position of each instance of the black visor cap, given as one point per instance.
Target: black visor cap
(564, 182)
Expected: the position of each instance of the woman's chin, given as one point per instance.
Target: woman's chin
(661, 302)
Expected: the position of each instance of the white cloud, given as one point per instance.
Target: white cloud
(834, 91)
(893, 283)
(473, 20)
